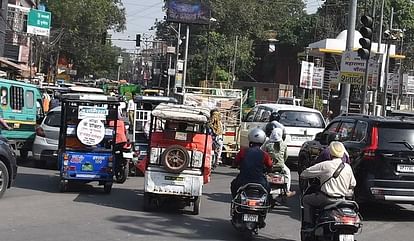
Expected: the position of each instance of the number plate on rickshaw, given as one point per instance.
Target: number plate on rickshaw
(168, 178)
(87, 167)
(250, 217)
(346, 237)
(181, 136)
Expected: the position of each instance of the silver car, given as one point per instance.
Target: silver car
(45, 145)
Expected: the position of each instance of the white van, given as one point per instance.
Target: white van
(301, 124)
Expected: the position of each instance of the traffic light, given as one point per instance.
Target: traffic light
(365, 41)
(138, 40)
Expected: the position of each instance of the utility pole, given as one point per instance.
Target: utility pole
(233, 69)
(387, 63)
(346, 88)
(379, 58)
(187, 36)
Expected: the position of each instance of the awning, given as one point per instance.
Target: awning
(7, 64)
(339, 52)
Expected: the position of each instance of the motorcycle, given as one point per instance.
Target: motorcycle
(249, 209)
(339, 221)
(124, 156)
(278, 185)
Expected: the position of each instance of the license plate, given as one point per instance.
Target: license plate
(346, 237)
(87, 167)
(250, 218)
(405, 168)
(300, 138)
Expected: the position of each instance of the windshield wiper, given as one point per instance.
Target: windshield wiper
(405, 143)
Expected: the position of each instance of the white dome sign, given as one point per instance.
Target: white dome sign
(90, 131)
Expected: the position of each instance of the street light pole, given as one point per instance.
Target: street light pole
(387, 63)
(346, 88)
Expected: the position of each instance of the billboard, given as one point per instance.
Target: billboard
(188, 11)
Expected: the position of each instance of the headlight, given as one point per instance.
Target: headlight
(155, 154)
(197, 159)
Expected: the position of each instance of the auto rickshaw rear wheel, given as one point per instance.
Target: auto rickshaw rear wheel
(63, 186)
(197, 205)
(175, 158)
(108, 187)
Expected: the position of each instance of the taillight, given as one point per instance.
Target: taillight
(40, 132)
(348, 220)
(369, 152)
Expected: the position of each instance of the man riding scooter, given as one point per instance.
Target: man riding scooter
(336, 178)
(252, 162)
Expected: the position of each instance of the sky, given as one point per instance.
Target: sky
(141, 15)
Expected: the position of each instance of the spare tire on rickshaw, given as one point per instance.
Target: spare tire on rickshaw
(175, 158)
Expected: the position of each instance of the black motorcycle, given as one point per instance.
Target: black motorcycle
(124, 158)
(249, 209)
(339, 221)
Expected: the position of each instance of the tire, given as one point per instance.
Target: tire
(24, 154)
(121, 175)
(197, 206)
(108, 187)
(147, 202)
(175, 159)
(63, 186)
(4, 178)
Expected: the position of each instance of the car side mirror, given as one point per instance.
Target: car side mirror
(318, 136)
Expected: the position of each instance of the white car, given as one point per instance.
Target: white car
(301, 124)
(46, 142)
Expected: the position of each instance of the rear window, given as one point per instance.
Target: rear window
(53, 119)
(301, 119)
(396, 136)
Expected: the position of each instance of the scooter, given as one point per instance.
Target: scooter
(339, 221)
(278, 185)
(249, 209)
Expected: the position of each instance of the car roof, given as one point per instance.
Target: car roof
(279, 107)
(377, 119)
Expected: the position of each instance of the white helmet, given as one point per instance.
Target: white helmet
(257, 135)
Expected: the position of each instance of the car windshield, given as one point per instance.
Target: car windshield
(301, 119)
(53, 119)
(396, 136)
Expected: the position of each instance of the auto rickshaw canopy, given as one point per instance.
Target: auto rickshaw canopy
(181, 113)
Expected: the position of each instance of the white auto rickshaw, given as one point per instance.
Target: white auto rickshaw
(179, 160)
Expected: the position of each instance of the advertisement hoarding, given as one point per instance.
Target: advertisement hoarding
(188, 11)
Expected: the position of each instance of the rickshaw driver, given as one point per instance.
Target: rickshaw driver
(253, 162)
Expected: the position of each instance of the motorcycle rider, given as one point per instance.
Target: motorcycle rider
(277, 150)
(332, 189)
(252, 162)
(274, 119)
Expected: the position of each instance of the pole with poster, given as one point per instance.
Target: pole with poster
(306, 76)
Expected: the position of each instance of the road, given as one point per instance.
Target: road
(34, 210)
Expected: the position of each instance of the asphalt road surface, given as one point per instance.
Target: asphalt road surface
(34, 210)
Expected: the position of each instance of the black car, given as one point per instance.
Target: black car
(381, 152)
(8, 167)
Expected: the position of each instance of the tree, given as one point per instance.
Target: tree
(250, 21)
(83, 24)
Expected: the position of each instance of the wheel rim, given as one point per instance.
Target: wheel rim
(175, 159)
(1, 180)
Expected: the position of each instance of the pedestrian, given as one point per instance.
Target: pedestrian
(329, 117)
(131, 110)
(216, 127)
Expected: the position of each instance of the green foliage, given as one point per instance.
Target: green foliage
(318, 103)
(83, 23)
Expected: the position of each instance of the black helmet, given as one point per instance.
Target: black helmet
(274, 117)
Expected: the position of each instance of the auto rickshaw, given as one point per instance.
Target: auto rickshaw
(179, 160)
(86, 140)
